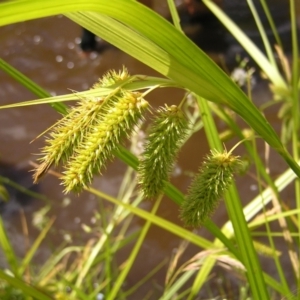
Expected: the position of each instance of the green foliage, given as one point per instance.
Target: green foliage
(166, 135)
(159, 52)
(92, 131)
(4, 195)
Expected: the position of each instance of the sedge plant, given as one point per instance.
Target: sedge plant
(119, 105)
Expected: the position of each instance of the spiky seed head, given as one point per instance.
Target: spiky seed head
(214, 178)
(72, 129)
(162, 145)
(66, 135)
(116, 122)
(112, 77)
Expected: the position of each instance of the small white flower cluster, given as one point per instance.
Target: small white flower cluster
(241, 76)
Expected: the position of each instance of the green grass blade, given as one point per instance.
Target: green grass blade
(263, 35)
(52, 262)
(23, 190)
(29, 255)
(271, 22)
(256, 54)
(295, 115)
(103, 23)
(201, 277)
(4, 195)
(184, 62)
(235, 212)
(174, 14)
(158, 60)
(145, 279)
(255, 206)
(140, 84)
(25, 288)
(171, 293)
(173, 228)
(8, 249)
(118, 245)
(30, 85)
(275, 217)
(133, 254)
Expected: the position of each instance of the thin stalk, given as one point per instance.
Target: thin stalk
(145, 279)
(271, 22)
(256, 54)
(202, 276)
(24, 287)
(34, 247)
(269, 232)
(93, 255)
(8, 250)
(174, 14)
(23, 190)
(107, 249)
(261, 170)
(263, 34)
(189, 236)
(172, 292)
(133, 254)
(32, 86)
(235, 211)
(295, 111)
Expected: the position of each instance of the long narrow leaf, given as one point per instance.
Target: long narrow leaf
(25, 288)
(8, 249)
(121, 278)
(256, 54)
(171, 191)
(26, 82)
(144, 82)
(29, 255)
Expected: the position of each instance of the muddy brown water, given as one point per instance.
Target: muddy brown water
(46, 51)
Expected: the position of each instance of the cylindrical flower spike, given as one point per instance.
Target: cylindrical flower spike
(163, 143)
(117, 120)
(65, 137)
(112, 77)
(72, 129)
(207, 188)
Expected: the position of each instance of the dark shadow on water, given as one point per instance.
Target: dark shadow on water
(18, 183)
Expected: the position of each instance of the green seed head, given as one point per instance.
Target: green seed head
(112, 77)
(117, 121)
(162, 145)
(72, 130)
(208, 187)
(66, 135)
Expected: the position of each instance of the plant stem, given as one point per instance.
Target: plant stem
(133, 254)
(295, 116)
(236, 215)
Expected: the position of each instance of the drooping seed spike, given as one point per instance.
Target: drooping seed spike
(214, 178)
(117, 121)
(165, 138)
